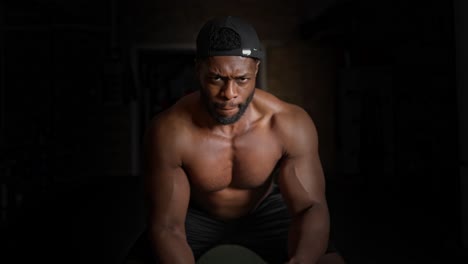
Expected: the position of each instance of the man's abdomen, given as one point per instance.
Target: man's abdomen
(230, 203)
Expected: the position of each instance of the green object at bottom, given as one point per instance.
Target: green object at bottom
(230, 254)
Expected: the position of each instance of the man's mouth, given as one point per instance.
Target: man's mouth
(226, 106)
(226, 110)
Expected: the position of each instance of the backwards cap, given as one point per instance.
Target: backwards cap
(249, 42)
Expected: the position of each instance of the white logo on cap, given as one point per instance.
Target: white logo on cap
(246, 52)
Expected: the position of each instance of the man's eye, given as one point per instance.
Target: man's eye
(216, 78)
(242, 79)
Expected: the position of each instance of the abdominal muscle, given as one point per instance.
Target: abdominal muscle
(230, 202)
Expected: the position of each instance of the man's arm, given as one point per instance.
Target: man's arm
(168, 194)
(302, 184)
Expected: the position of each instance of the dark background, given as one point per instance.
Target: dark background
(77, 90)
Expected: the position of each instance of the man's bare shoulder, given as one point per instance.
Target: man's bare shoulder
(173, 122)
(282, 113)
(289, 121)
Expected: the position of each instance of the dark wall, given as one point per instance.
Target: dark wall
(418, 40)
(65, 97)
(65, 135)
(397, 120)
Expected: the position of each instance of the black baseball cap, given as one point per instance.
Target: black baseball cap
(248, 43)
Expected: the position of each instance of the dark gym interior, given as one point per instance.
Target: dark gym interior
(385, 82)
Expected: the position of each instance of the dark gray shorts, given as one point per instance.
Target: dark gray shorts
(264, 231)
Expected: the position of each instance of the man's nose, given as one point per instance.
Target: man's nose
(230, 90)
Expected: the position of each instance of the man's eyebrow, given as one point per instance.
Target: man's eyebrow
(238, 75)
(213, 73)
(242, 75)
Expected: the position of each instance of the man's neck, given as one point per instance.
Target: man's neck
(235, 129)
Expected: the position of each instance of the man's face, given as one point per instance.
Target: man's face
(227, 86)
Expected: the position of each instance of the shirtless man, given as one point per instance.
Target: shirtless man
(210, 160)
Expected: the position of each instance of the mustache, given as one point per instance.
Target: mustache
(225, 105)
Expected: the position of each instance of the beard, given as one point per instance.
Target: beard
(226, 120)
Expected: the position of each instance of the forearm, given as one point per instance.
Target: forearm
(171, 246)
(308, 235)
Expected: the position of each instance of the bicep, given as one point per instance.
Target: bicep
(167, 194)
(167, 189)
(302, 183)
(301, 176)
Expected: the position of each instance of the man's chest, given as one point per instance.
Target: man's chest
(246, 162)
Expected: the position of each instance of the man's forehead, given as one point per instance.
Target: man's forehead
(229, 62)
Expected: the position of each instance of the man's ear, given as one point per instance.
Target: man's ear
(256, 66)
